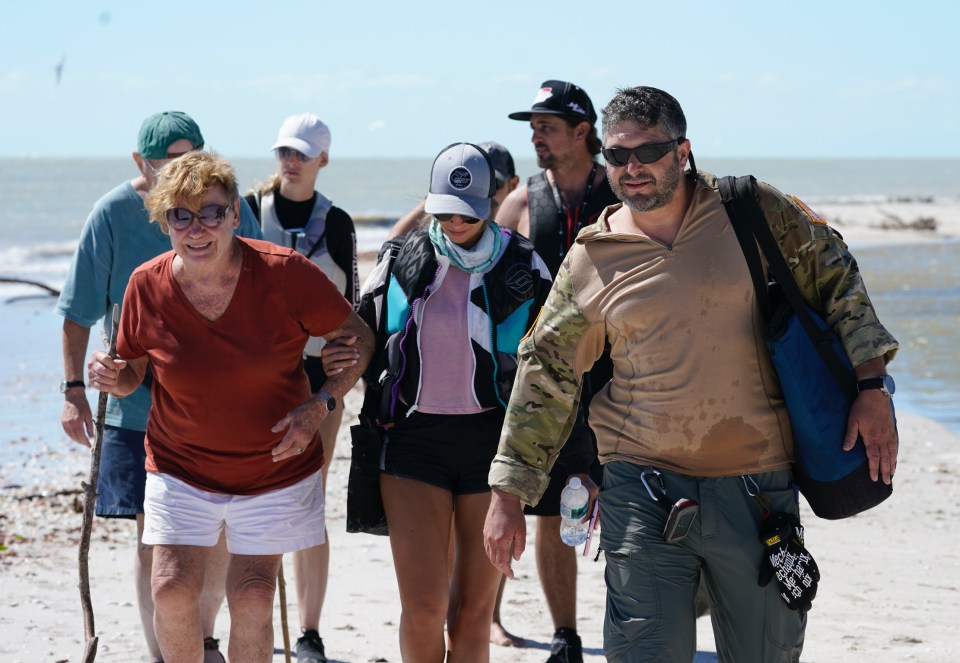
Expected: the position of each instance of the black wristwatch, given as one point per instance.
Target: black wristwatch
(70, 384)
(884, 383)
(329, 400)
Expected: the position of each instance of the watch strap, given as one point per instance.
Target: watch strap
(70, 384)
(879, 382)
(328, 400)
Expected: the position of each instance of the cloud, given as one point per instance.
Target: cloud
(375, 126)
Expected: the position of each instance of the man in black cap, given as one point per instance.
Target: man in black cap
(550, 209)
(572, 190)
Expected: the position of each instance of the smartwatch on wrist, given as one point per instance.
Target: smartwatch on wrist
(328, 400)
(70, 384)
(884, 383)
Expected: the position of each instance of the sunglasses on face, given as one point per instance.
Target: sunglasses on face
(443, 218)
(285, 153)
(210, 216)
(620, 156)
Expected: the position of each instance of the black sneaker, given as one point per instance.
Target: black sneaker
(212, 644)
(310, 648)
(566, 647)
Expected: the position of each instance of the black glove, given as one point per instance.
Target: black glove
(787, 559)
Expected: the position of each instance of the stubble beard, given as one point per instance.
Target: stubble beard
(548, 161)
(665, 188)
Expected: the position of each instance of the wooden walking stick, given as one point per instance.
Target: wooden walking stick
(89, 500)
(281, 583)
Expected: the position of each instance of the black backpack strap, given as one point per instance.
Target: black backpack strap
(737, 201)
(370, 410)
(744, 209)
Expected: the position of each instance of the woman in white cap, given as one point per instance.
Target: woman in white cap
(294, 214)
(457, 298)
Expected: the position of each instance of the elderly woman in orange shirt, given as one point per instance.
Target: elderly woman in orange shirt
(232, 440)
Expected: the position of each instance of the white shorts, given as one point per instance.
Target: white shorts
(280, 521)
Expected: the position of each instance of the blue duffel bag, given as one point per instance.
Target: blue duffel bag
(817, 379)
(836, 483)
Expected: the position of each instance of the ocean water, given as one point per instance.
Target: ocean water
(916, 288)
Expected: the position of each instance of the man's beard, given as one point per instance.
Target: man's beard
(547, 161)
(664, 189)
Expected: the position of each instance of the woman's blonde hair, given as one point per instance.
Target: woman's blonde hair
(268, 185)
(185, 180)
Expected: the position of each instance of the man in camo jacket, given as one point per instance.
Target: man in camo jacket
(694, 407)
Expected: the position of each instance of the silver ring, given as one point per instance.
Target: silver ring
(299, 450)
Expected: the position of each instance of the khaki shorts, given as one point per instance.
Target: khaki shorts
(280, 521)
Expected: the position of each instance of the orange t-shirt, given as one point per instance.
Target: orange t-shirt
(219, 387)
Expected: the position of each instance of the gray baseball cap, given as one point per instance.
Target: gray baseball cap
(462, 181)
(502, 160)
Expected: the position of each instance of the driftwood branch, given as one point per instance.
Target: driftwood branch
(10, 279)
(282, 584)
(89, 504)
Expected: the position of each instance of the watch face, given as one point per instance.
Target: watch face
(889, 385)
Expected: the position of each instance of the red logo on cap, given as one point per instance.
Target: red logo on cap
(544, 94)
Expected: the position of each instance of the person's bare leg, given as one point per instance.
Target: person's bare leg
(498, 634)
(142, 568)
(211, 597)
(473, 590)
(557, 567)
(251, 585)
(420, 517)
(177, 583)
(311, 566)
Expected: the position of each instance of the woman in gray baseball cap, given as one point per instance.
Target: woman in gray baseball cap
(451, 302)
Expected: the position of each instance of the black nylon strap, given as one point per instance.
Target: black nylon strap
(737, 210)
(744, 210)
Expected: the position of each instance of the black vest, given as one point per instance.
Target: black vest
(546, 217)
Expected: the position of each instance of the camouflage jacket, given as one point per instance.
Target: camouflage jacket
(568, 336)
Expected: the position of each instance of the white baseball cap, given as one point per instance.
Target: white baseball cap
(462, 181)
(305, 133)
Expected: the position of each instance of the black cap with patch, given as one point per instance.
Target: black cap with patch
(560, 98)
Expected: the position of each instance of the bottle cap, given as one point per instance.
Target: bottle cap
(574, 482)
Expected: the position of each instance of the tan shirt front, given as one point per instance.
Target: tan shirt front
(693, 388)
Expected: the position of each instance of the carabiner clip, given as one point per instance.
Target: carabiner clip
(746, 486)
(663, 489)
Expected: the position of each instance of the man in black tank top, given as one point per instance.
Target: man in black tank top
(550, 209)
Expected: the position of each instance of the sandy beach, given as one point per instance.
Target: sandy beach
(890, 582)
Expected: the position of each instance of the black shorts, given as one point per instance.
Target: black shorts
(450, 451)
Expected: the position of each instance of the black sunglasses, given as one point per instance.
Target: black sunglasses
(442, 218)
(210, 216)
(620, 156)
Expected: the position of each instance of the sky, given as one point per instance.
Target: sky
(817, 79)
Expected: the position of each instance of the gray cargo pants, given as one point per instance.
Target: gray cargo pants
(651, 584)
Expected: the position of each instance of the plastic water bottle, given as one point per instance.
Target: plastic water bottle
(573, 507)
